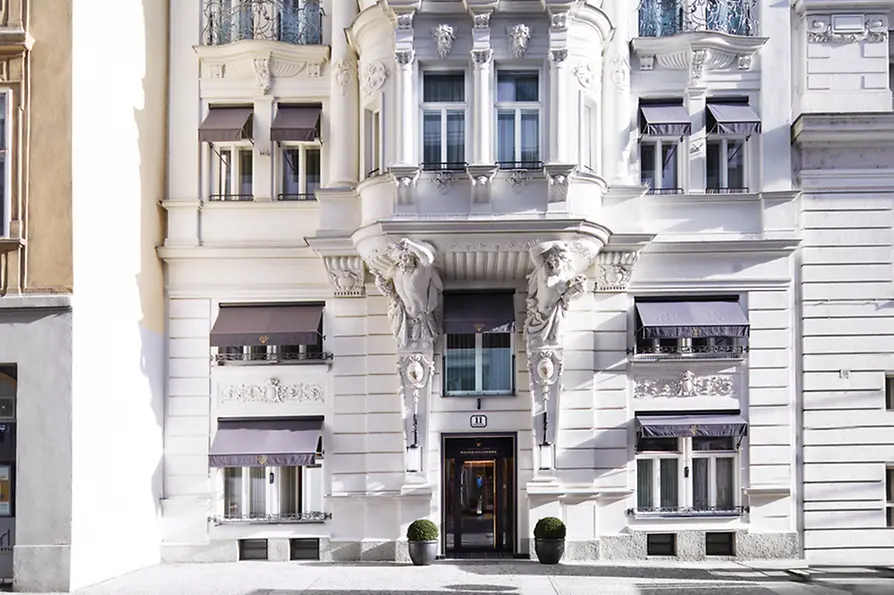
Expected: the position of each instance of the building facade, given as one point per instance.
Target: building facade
(486, 261)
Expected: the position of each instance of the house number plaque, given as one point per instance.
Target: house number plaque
(478, 421)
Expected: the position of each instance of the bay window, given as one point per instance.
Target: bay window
(518, 119)
(300, 168)
(443, 120)
(696, 475)
(233, 173)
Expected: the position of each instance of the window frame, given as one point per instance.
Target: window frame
(479, 369)
(443, 107)
(281, 166)
(373, 141)
(6, 96)
(685, 456)
(233, 151)
(518, 107)
(723, 141)
(889, 496)
(659, 142)
(889, 391)
(589, 138)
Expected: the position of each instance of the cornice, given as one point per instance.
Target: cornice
(697, 51)
(715, 243)
(259, 48)
(492, 225)
(801, 7)
(857, 130)
(296, 251)
(15, 40)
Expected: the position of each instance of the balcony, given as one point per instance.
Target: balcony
(688, 511)
(664, 18)
(296, 22)
(647, 352)
(291, 518)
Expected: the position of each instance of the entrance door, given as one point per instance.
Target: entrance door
(479, 489)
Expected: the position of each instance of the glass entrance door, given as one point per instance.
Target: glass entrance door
(479, 485)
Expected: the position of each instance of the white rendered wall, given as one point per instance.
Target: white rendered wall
(118, 328)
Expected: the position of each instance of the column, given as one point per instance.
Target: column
(405, 67)
(344, 123)
(618, 110)
(694, 157)
(482, 109)
(560, 107)
(264, 186)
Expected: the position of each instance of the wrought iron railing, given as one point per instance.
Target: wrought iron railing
(661, 18)
(296, 197)
(444, 166)
(664, 191)
(726, 191)
(688, 511)
(648, 352)
(520, 165)
(301, 517)
(267, 358)
(231, 197)
(297, 22)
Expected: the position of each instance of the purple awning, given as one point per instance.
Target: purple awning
(738, 119)
(665, 120)
(226, 125)
(280, 442)
(676, 320)
(681, 426)
(296, 324)
(470, 313)
(296, 123)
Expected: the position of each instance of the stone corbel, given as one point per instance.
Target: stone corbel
(346, 274)
(405, 179)
(613, 270)
(559, 178)
(482, 176)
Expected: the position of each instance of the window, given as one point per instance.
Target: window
(270, 353)
(481, 363)
(232, 173)
(443, 120)
(889, 393)
(702, 327)
(373, 142)
(270, 493)
(889, 497)
(269, 333)
(660, 166)
(661, 544)
(252, 549)
(720, 544)
(518, 119)
(300, 172)
(676, 474)
(587, 136)
(726, 166)
(4, 167)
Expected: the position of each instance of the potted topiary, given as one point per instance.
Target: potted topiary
(422, 539)
(549, 540)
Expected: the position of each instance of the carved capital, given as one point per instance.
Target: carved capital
(482, 56)
(482, 19)
(405, 57)
(558, 55)
(346, 274)
(559, 21)
(559, 179)
(613, 270)
(405, 179)
(404, 20)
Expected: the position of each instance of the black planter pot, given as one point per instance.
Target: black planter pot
(423, 553)
(549, 551)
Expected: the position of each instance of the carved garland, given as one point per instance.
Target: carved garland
(874, 31)
(687, 385)
(272, 391)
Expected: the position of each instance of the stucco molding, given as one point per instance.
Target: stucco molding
(519, 36)
(373, 77)
(614, 270)
(272, 391)
(444, 36)
(238, 60)
(688, 384)
(346, 274)
(697, 52)
(849, 29)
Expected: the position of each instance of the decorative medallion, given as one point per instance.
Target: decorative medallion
(373, 77)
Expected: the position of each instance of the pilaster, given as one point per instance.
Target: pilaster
(264, 187)
(561, 143)
(405, 72)
(696, 102)
(344, 96)
(482, 75)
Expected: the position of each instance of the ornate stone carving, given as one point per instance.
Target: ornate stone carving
(586, 75)
(404, 57)
(620, 72)
(697, 67)
(444, 36)
(559, 177)
(688, 384)
(821, 31)
(481, 20)
(373, 77)
(346, 274)
(217, 70)
(343, 72)
(558, 55)
(745, 61)
(519, 36)
(559, 21)
(546, 367)
(262, 72)
(444, 181)
(613, 270)
(407, 276)
(481, 176)
(314, 71)
(518, 179)
(482, 57)
(272, 391)
(405, 20)
(405, 179)
(647, 62)
(552, 285)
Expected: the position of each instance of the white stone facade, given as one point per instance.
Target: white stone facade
(806, 257)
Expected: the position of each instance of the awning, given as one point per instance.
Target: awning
(733, 118)
(285, 442)
(469, 313)
(267, 325)
(665, 120)
(296, 123)
(226, 125)
(680, 426)
(675, 320)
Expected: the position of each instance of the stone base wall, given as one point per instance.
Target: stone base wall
(691, 546)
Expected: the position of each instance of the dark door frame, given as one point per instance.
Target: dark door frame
(513, 488)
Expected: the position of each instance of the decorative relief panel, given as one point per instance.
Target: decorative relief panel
(372, 77)
(843, 29)
(688, 384)
(272, 391)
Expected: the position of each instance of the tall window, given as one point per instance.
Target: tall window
(443, 120)
(300, 172)
(479, 363)
(587, 136)
(373, 142)
(4, 164)
(697, 473)
(889, 392)
(232, 173)
(518, 119)
(889, 496)
(660, 165)
(726, 165)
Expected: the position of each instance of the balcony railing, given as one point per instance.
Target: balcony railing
(662, 18)
(270, 358)
(231, 197)
(296, 197)
(664, 353)
(301, 517)
(297, 22)
(686, 511)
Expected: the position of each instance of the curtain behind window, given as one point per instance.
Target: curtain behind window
(669, 483)
(443, 87)
(496, 362)
(233, 492)
(644, 497)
